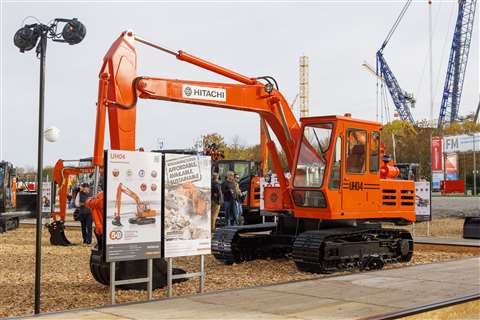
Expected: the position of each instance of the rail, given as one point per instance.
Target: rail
(425, 308)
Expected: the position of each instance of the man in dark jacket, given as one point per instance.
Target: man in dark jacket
(217, 198)
(229, 196)
(85, 214)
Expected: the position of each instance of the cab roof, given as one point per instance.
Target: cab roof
(337, 118)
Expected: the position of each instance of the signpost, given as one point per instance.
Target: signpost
(187, 212)
(423, 201)
(150, 194)
(133, 206)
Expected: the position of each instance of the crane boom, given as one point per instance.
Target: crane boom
(400, 98)
(457, 63)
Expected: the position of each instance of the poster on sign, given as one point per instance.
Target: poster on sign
(187, 205)
(423, 204)
(133, 202)
(437, 158)
(46, 196)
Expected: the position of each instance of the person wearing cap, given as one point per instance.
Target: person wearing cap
(85, 214)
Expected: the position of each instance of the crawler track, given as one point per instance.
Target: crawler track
(317, 251)
(332, 250)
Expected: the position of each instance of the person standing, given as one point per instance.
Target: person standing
(217, 198)
(85, 214)
(238, 200)
(229, 193)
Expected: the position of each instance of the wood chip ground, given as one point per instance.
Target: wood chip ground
(68, 284)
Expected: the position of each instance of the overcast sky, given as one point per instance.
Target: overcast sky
(254, 39)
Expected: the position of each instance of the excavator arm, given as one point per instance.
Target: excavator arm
(60, 176)
(120, 88)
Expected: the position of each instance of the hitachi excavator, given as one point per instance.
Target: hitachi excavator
(143, 215)
(329, 208)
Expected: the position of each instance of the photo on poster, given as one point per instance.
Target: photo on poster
(423, 201)
(133, 205)
(187, 205)
(46, 196)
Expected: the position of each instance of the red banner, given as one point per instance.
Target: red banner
(437, 162)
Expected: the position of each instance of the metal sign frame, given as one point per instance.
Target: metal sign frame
(114, 283)
(171, 276)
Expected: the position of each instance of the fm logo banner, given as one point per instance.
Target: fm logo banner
(204, 93)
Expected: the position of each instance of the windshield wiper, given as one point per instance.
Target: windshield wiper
(320, 146)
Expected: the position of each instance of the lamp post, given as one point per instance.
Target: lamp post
(474, 168)
(26, 38)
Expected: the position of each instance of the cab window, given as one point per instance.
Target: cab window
(242, 169)
(374, 151)
(356, 149)
(334, 181)
(311, 161)
(223, 168)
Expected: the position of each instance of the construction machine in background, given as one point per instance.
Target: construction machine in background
(335, 187)
(143, 213)
(62, 172)
(250, 172)
(14, 205)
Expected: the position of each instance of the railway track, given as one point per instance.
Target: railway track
(458, 306)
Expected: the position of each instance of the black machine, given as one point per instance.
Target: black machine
(471, 228)
(249, 173)
(13, 205)
(8, 219)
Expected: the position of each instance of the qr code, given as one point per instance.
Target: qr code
(156, 159)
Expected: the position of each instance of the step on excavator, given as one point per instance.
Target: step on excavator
(143, 214)
(340, 185)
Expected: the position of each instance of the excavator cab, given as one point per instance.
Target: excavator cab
(340, 174)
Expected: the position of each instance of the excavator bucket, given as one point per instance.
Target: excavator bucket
(57, 234)
(141, 220)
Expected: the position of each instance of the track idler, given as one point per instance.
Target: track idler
(57, 233)
(130, 270)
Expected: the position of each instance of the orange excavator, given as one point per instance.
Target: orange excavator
(329, 208)
(61, 173)
(143, 215)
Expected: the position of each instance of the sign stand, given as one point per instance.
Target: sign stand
(171, 276)
(148, 280)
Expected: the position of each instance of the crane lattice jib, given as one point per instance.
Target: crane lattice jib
(399, 97)
(457, 63)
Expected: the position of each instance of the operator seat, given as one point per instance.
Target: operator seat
(356, 159)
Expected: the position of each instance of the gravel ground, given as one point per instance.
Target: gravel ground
(67, 283)
(455, 206)
(440, 228)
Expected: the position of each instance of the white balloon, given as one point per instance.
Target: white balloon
(52, 134)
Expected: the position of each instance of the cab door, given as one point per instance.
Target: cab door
(355, 178)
